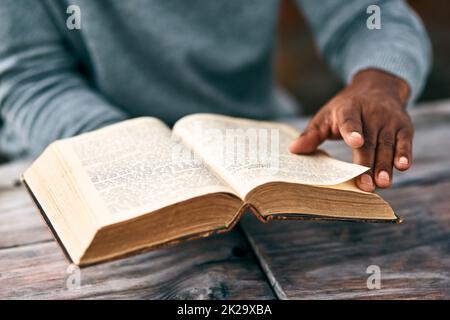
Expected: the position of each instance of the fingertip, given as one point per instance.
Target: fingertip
(402, 163)
(383, 179)
(354, 139)
(293, 148)
(365, 183)
(299, 146)
(304, 144)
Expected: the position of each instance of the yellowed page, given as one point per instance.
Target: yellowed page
(134, 167)
(249, 153)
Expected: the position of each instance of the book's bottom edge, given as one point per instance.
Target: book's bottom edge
(204, 234)
(311, 217)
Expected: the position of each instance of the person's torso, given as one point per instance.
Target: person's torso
(172, 58)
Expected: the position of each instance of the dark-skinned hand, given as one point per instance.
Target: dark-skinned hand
(369, 115)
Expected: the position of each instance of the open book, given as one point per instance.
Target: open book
(136, 185)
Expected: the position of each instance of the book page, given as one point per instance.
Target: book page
(249, 153)
(134, 167)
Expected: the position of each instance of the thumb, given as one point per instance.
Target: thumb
(309, 140)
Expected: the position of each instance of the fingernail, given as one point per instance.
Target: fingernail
(383, 175)
(355, 135)
(366, 179)
(355, 138)
(403, 160)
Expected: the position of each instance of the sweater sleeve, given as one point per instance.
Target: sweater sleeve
(43, 96)
(400, 47)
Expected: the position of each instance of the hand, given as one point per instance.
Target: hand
(369, 114)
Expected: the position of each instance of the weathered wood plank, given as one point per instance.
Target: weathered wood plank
(33, 267)
(328, 260)
(303, 260)
(220, 267)
(19, 225)
(20, 222)
(10, 173)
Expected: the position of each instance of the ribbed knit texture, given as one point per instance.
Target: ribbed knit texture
(171, 58)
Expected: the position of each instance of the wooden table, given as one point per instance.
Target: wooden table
(279, 260)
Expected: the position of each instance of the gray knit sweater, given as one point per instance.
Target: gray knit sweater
(175, 57)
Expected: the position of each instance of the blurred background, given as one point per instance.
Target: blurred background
(300, 70)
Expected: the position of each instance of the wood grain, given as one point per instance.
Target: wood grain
(32, 266)
(20, 223)
(10, 173)
(328, 260)
(202, 269)
(301, 260)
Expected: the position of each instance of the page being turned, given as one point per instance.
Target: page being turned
(249, 153)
